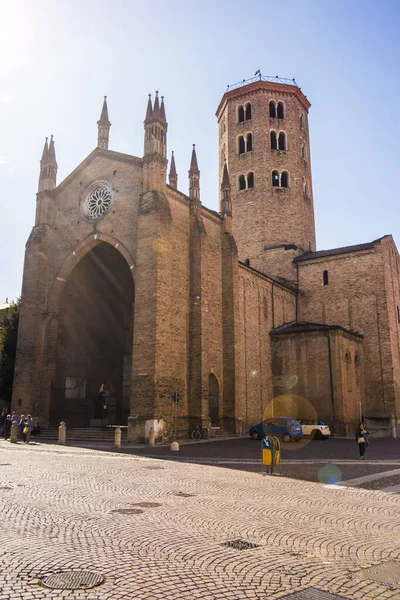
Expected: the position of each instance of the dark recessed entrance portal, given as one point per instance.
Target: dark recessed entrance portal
(94, 346)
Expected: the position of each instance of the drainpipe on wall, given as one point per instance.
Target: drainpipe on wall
(331, 382)
(272, 306)
(297, 294)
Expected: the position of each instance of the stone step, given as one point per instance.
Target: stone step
(90, 434)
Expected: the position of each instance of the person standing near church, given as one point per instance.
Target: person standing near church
(360, 438)
(7, 427)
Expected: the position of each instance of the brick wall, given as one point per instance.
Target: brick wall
(355, 298)
(265, 216)
(317, 375)
(262, 305)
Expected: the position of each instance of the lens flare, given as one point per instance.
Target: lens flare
(330, 474)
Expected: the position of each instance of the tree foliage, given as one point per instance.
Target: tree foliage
(8, 348)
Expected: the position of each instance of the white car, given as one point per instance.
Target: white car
(315, 429)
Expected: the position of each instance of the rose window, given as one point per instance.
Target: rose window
(98, 202)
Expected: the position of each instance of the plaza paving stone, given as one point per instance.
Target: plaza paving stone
(58, 514)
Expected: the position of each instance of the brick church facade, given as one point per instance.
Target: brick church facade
(134, 290)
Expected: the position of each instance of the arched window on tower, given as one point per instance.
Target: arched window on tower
(242, 182)
(275, 178)
(284, 179)
(325, 277)
(301, 121)
(303, 152)
(274, 141)
(305, 189)
(240, 113)
(281, 110)
(247, 109)
(272, 109)
(250, 179)
(282, 141)
(249, 142)
(241, 145)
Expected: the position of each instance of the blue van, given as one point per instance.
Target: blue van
(285, 428)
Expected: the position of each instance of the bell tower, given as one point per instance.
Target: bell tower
(264, 139)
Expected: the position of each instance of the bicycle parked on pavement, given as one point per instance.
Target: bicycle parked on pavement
(200, 432)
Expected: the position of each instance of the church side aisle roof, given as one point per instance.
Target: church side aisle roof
(306, 327)
(333, 251)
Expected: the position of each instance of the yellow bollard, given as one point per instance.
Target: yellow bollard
(117, 437)
(175, 446)
(62, 434)
(14, 433)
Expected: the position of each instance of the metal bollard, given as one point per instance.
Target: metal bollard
(117, 437)
(175, 446)
(14, 433)
(62, 434)
(152, 437)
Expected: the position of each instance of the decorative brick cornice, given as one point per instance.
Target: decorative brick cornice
(265, 87)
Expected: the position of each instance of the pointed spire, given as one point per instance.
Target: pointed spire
(52, 151)
(103, 127)
(156, 109)
(104, 111)
(226, 203)
(173, 176)
(225, 177)
(155, 130)
(149, 111)
(48, 167)
(45, 152)
(162, 109)
(193, 163)
(194, 177)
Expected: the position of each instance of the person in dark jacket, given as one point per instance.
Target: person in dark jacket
(3, 417)
(360, 437)
(7, 427)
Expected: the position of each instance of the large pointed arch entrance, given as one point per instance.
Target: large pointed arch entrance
(93, 361)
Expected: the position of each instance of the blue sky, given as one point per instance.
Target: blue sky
(58, 59)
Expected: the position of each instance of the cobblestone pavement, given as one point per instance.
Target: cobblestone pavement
(58, 514)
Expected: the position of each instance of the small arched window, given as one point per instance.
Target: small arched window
(325, 277)
(347, 357)
(265, 303)
(282, 141)
(305, 189)
(301, 120)
(240, 112)
(303, 152)
(357, 360)
(272, 109)
(241, 145)
(285, 179)
(275, 178)
(247, 109)
(249, 142)
(281, 110)
(250, 179)
(274, 141)
(242, 182)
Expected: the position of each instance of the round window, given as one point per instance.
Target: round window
(98, 201)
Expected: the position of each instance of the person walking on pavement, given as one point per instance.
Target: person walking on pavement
(360, 437)
(21, 426)
(26, 432)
